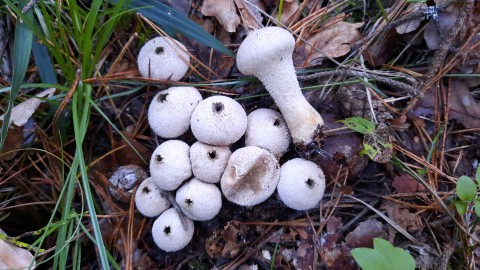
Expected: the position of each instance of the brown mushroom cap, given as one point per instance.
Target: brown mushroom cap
(301, 185)
(168, 231)
(209, 161)
(267, 129)
(219, 120)
(170, 164)
(170, 111)
(250, 177)
(163, 58)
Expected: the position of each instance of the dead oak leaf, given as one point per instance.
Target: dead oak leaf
(224, 11)
(333, 41)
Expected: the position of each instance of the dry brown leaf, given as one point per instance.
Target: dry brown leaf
(406, 184)
(403, 218)
(462, 105)
(411, 25)
(333, 41)
(251, 16)
(432, 38)
(364, 233)
(13, 142)
(13, 257)
(289, 9)
(224, 11)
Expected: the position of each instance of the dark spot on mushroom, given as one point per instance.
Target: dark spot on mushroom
(159, 50)
(310, 183)
(277, 122)
(218, 107)
(162, 97)
(212, 154)
(167, 230)
(158, 158)
(189, 202)
(145, 190)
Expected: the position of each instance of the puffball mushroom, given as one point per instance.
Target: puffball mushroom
(150, 200)
(266, 53)
(209, 161)
(266, 129)
(170, 164)
(301, 185)
(168, 231)
(199, 200)
(251, 176)
(163, 58)
(170, 111)
(219, 120)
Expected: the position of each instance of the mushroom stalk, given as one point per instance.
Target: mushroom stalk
(266, 53)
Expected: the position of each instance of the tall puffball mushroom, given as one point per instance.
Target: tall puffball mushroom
(171, 109)
(219, 120)
(150, 200)
(301, 185)
(266, 53)
(170, 164)
(250, 177)
(209, 161)
(266, 129)
(169, 233)
(163, 58)
(199, 200)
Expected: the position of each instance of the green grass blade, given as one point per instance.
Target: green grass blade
(44, 63)
(22, 47)
(167, 17)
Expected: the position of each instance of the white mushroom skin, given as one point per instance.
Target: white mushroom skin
(266, 53)
(250, 177)
(209, 161)
(170, 164)
(219, 120)
(150, 200)
(170, 111)
(199, 200)
(267, 129)
(169, 233)
(301, 185)
(163, 58)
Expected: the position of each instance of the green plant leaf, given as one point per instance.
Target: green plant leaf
(477, 208)
(466, 188)
(477, 174)
(461, 207)
(359, 124)
(370, 259)
(398, 258)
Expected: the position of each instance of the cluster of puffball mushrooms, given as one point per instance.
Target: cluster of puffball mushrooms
(250, 174)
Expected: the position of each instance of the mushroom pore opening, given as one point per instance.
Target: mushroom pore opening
(189, 202)
(212, 154)
(159, 50)
(158, 158)
(162, 97)
(167, 230)
(277, 122)
(146, 190)
(218, 107)
(310, 183)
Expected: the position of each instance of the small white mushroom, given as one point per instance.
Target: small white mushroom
(267, 129)
(209, 161)
(266, 53)
(199, 200)
(301, 185)
(150, 200)
(219, 120)
(170, 164)
(169, 233)
(171, 109)
(163, 58)
(250, 177)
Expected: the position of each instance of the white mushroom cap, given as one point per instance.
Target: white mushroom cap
(171, 109)
(219, 120)
(301, 185)
(150, 200)
(168, 231)
(250, 177)
(163, 58)
(209, 161)
(199, 200)
(267, 129)
(170, 164)
(266, 53)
